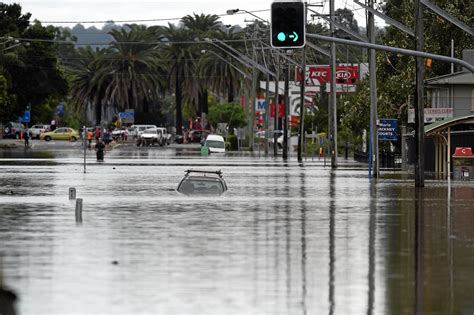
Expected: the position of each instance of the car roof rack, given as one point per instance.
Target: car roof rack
(219, 172)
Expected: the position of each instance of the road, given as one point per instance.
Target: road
(287, 238)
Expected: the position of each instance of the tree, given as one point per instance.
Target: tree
(200, 26)
(30, 66)
(179, 58)
(131, 69)
(396, 73)
(87, 88)
(230, 114)
(219, 75)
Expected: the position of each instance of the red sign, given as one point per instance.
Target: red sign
(319, 75)
(460, 151)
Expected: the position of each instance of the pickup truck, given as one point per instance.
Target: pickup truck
(154, 136)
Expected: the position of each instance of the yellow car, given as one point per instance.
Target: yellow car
(62, 133)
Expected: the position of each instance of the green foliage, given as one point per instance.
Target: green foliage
(396, 73)
(42, 112)
(72, 118)
(230, 114)
(12, 21)
(30, 67)
(232, 141)
(7, 103)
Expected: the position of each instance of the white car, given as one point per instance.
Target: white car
(215, 143)
(37, 130)
(166, 136)
(153, 136)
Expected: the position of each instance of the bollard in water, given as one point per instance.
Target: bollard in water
(72, 193)
(79, 210)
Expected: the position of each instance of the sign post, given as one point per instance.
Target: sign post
(387, 129)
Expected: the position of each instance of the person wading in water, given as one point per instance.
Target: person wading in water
(99, 148)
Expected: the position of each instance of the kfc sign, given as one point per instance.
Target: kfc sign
(320, 75)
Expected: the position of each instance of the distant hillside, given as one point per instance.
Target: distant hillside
(92, 36)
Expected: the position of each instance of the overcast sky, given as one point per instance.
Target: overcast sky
(49, 11)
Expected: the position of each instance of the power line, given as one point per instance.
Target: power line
(141, 20)
(68, 42)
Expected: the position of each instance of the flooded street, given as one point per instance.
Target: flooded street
(284, 239)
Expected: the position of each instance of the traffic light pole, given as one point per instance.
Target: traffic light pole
(302, 108)
(287, 108)
(333, 101)
(277, 103)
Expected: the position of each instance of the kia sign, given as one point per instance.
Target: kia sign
(320, 75)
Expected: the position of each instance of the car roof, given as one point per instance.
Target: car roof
(203, 172)
(215, 137)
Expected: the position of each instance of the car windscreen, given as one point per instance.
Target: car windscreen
(193, 185)
(215, 144)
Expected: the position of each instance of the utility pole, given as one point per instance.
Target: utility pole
(287, 108)
(333, 101)
(419, 104)
(267, 112)
(374, 142)
(277, 103)
(302, 101)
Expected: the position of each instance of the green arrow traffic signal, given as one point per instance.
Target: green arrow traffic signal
(288, 24)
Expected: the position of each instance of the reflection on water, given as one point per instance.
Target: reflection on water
(285, 239)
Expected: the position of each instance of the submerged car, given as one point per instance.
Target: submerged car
(197, 182)
(215, 143)
(62, 133)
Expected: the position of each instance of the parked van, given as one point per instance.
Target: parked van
(215, 143)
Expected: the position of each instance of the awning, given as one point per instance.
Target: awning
(445, 124)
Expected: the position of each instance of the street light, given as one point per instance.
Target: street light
(254, 65)
(233, 11)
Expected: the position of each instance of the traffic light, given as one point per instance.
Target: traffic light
(288, 29)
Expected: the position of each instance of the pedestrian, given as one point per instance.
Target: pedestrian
(125, 135)
(89, 138)
(97, 134)
(27, 139)
(99, 148)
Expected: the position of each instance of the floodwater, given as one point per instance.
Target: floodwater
(286, 238)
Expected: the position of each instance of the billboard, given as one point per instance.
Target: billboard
(319, 75)
(431, 114)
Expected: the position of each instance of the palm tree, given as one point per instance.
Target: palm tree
(218, 74)
(86, 88)
(200, 26)
(179, 56)
(133, 66)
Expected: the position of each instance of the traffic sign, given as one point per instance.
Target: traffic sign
(25, 118)
(127, 117)
(387, 129)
